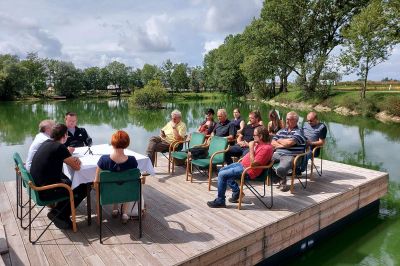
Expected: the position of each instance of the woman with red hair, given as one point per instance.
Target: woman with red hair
(117, 161)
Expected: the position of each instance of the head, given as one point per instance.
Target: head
(312, 118)
(210, 114)
(46, 125)
(254, 118)
(71, 119)
(120, 140)
(236, 113)
(176, 116)
(261, 134)
(59, 133)
(273, 115)
(292, 118)
(222, 115)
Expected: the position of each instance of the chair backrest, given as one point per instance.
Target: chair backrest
(26, 178)
(217, 144)
(196, 139)
(120, 187)
(17, 159)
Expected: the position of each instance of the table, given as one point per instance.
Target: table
(89, 163)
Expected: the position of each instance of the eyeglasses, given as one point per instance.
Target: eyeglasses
(254, 135)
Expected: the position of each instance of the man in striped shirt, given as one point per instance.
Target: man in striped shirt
(288, 142)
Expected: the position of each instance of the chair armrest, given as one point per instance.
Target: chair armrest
(315, 149)
(218, 152)
(175, 144)
(298, 156)
(271, 163)
(52, 186)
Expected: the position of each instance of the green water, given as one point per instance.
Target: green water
(365, 142)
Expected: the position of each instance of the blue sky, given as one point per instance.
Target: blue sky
(95, 33)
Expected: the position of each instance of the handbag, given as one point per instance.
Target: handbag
(199, 152)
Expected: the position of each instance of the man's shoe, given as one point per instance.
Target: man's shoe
(285, 188)
(216, 204)
(235, 197)
(58, 221)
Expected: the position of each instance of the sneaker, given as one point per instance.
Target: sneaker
(285, 188)
(59, 222)
(216, 204)
(235, 197)
(124, 218)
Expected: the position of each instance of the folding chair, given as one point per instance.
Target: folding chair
(315, 153)
(168, 151)
(196, 139)
(19, 184)
(218, 146)
(119, 187)
(263, 177)
(33, 193)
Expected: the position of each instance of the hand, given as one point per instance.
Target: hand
(163, 134)
(251, 144)
(71, 149)
(77, 161)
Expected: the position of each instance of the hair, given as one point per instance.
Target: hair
(263, 133)
(294, 114)
(274, 114)
(176, 113)
(46, 124)
(58, 131)
(314, 114)
(222, 111)
(70, 114)
(210, 111)
(120, 140)
(237, 110)
(256, 114)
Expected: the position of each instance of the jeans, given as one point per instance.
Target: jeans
(226, 177)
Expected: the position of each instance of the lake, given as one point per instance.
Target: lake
(359, 141)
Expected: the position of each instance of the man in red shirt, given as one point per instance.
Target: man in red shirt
(260, 153)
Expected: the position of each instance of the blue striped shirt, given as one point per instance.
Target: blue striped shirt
(298, 136)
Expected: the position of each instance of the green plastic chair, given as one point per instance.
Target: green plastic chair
(218, 146)
(119, 187)
(19, 185)
(33, 193)
(196, 139)
(264, 177)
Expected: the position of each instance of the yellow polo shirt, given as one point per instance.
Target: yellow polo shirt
(169, 134)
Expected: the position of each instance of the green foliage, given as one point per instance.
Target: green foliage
(150, 72)
(118, 74)
(151, 96)
(392, 105)
(179, 78)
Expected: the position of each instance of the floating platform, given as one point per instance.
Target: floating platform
(179, 228)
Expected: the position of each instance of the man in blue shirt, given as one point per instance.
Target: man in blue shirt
(288, 142)
(314, 131)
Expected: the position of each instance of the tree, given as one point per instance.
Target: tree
(92, 79)
(12, 77)
(118, 74)
(369, 39)
(196, 79)
(210, 77)
(306, 32)
(66, 79)
(180, 80)
(150, 72)
(167, 68)
(35, 74)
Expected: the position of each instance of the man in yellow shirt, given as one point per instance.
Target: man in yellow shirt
(174, 130)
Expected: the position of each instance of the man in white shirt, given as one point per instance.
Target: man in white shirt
(44, 134)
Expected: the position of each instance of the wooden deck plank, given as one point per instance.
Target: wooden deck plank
(179, 228)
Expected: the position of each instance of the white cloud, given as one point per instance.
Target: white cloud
(211, 45)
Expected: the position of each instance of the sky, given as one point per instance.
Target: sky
(96, 32)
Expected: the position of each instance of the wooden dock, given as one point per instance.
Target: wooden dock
(179, 228)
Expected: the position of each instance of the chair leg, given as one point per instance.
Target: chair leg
(101, 222)
(155, 159)
(209, 176)
(140, 210)
(73, 215)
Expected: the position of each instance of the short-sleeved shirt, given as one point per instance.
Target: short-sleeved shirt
(262, 155)
(248, 132)
(47, 163)
(224, 129)
(106, 163)
(314, 133)
(205, 128)
(169, 131)
(298, 136)
(37, 142)
(78, 139)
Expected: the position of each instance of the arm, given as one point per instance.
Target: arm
(73, 162)
(283, 143)
(252, 154)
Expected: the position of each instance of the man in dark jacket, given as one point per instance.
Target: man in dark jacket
(77, 136)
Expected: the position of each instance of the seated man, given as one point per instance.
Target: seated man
(77, 136)
(315, 133)
(288, 142)
(242, 145)
(260, 153)
(174, 130)
(44, 134)
(46, 169)
(224, 127)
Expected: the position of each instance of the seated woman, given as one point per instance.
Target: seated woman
(207, 126)
(274, 124)
(237, 121)
(117, 161)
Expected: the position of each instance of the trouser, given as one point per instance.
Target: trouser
(64, 207)
(156, 144)
(285, 164)
(236, 151)
(226, 177)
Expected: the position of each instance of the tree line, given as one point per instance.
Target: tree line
(289, 37)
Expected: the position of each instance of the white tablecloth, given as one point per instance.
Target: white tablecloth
(89, 163)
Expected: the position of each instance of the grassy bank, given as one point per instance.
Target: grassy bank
(375, 101)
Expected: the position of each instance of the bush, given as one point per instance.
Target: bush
(392, 105)
(151, 96)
